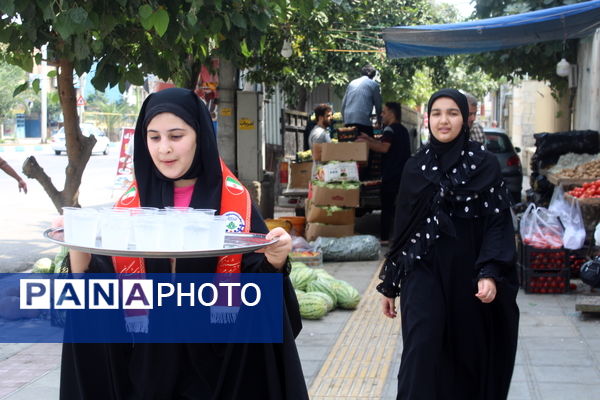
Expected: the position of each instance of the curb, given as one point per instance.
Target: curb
(39, 148)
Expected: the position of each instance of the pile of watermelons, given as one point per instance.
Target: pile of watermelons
(319, 292)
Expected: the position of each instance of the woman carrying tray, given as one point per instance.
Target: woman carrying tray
(176, 163)
(452, 264)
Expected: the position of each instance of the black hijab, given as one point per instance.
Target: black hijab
(441, 181)
(155, 189)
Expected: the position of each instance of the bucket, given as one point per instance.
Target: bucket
(297, 224)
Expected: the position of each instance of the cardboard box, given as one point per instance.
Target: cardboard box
(343, 217)
(345, 151)
(314, 230)
(300, 174)
(322, 196)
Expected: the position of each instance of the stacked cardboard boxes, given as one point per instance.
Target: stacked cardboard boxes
(334, 195)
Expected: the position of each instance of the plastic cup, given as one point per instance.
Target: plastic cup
(115, 227)
(146, 228)
(80, 226)
(171, 230)
(219, 224)
(197, 231)
(207, 211)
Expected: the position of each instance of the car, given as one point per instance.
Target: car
(498, 143)
(101, 146)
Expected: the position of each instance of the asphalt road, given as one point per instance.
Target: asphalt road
(23, 217)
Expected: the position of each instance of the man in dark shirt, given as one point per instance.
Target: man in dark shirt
(395, 146)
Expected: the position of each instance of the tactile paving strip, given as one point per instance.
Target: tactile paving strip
(359, 362)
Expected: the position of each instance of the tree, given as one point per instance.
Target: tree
(537, 61)
(111, 114)
(127, 39)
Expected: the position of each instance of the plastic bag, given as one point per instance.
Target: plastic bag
(350, 248)
(541, 228)
(597, 235)
(569, 213)
(300, 244)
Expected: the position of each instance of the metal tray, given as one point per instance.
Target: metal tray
(235, 243)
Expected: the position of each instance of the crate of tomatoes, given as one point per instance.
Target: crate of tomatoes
(544, 281)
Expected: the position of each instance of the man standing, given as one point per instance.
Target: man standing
(361, 95)
(395, 146)
(476, 129)
(8, 169)
(320, 133)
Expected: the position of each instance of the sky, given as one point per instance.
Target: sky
(465, 7)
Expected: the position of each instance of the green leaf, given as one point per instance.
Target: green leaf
(52, 74)
(97, 46)
(218, 5)
(80, 48)
(21, 88)
(238, 20)
(244, 48)
(38, 58)
(216, 25)
(7, 7)
(227, 22)
(35, 85)
(192, 19)
(145, 11)
(161, 21)
(78, 15)
(64, 26)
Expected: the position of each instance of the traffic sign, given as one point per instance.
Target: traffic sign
(81, 101)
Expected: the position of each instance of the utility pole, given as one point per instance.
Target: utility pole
(44, 97)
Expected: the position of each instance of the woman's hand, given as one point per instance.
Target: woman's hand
(80, 261)
(487, 290)
(277, 252)
(388, 306)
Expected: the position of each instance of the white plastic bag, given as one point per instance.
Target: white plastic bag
(574, 235)
(541, 228)
(597, 235)
(569, 213)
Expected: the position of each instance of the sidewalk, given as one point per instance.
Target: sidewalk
(356, 354)
(26, 145)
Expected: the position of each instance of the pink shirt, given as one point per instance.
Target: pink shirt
(183, 196)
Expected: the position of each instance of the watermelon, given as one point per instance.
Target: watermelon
(347, 296)
(301, 277)
(299, 293)
(312, 307)
(298, 265)
(43, 266)
(322, 274)
(330, 302)
(323, 286)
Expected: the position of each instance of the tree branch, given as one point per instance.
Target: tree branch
(32, 170)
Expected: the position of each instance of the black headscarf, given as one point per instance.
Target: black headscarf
(441, 181)
(155, 189)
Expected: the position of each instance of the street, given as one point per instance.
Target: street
(25, 216)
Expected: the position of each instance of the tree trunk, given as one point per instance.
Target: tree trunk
(79, 147)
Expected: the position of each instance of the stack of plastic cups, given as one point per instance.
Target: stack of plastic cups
(172, 230)
(80, 226)
(219, 224)
(115, 228)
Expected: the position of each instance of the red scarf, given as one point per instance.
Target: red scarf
(235, 203)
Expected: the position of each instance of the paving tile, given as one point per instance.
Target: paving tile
(548, 331)
(549, 343)
(43, 388)
(313, 352)
(560, 374)
(561, 357)
(562, 391)
(519, 391)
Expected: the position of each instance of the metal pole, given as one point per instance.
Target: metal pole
(44, 97)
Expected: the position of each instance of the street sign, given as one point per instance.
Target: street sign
(81, 101)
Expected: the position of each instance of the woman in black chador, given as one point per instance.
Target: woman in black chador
(177, 163)
(452, 264)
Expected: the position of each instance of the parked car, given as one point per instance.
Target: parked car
(101, 146)
(498, 142)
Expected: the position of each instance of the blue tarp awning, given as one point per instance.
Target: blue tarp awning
(559, 23)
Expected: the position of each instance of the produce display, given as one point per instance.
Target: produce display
(547, 260)
(548, 284)
(572, 160)
(590, 190)
(319, 292)
(302, 156)
(589, 170)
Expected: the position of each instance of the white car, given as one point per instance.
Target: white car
(101, 146)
